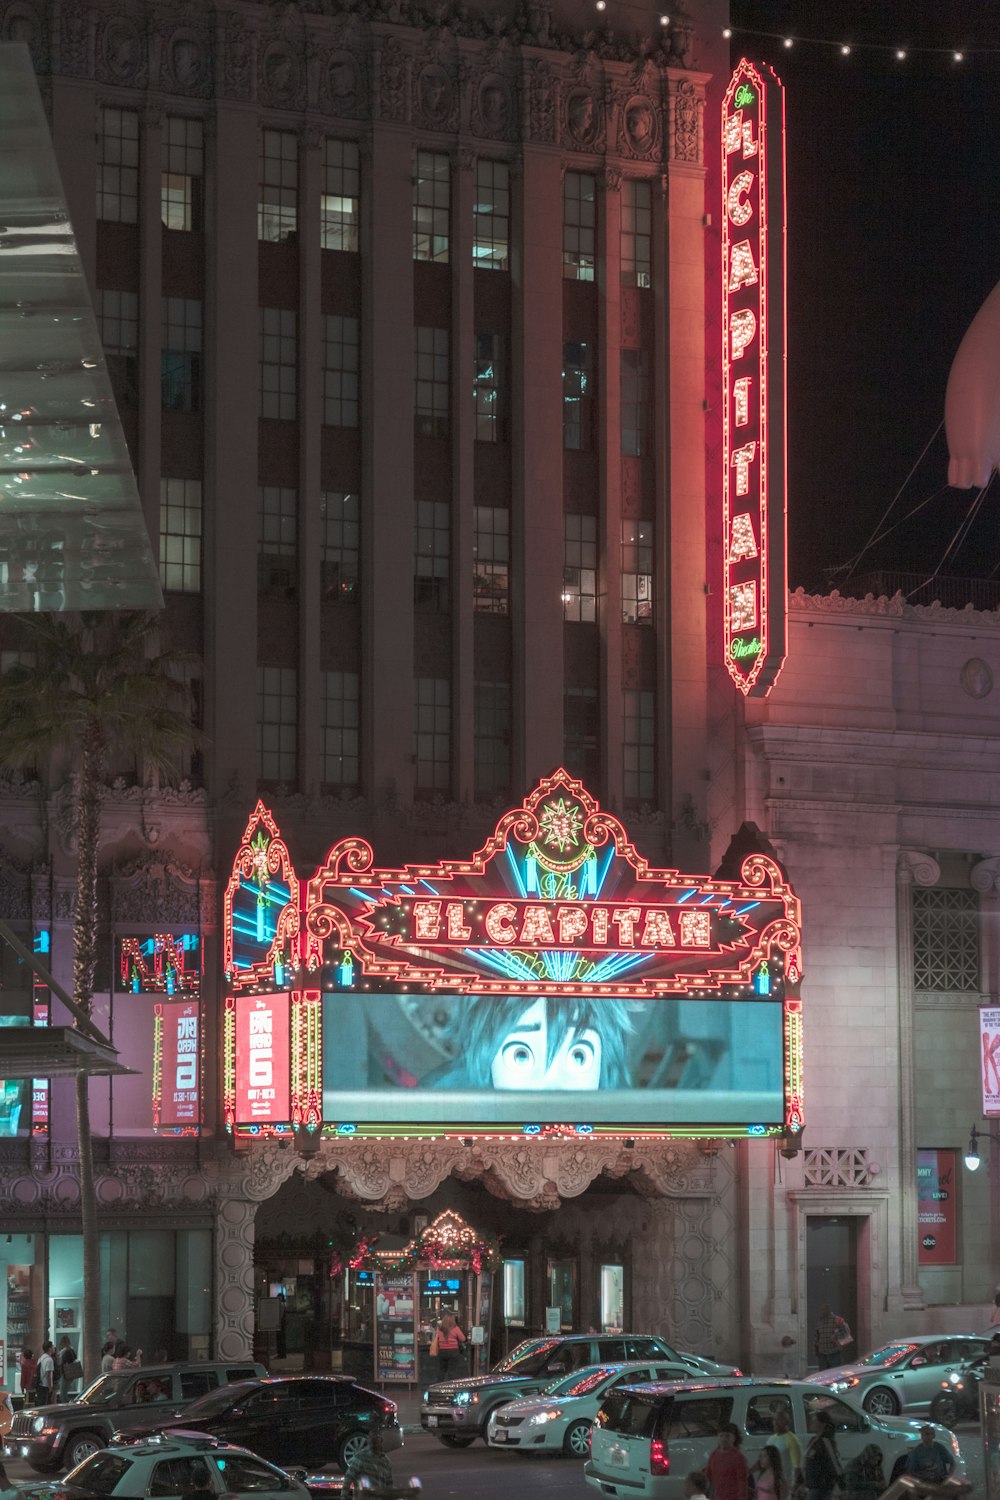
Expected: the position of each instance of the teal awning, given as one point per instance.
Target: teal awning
(72, 532)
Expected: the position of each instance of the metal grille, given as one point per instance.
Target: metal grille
(832, 1166)
(945, 939)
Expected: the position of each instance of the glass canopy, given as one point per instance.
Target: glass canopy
(72, 532)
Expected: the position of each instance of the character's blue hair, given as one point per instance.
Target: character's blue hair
(488, 1019)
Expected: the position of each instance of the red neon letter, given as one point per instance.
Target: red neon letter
(742, 269)
(657, 931)
(742, 327)
(696, 929)
(741, 460)
(427, 919)
(625, 918)
(739, 211)
(536, 929)
(499, 921)
(572, 923)
(741, 397)
(457, 930)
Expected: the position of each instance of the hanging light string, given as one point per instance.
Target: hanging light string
(846, 48)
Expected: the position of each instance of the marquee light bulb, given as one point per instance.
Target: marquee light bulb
(900, 54)
(788, 41)
(959, 56)
(664, 20)
(727, 32)
(845, 51)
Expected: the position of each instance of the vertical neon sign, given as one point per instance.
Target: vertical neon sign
(754, 380)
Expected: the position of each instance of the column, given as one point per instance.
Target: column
(311, 696)
(913, 867)
(609, 589)
(150, 321)
(463, 480)
(985, 878)
(234, 1303)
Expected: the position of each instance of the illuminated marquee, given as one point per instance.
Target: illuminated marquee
(177, 1067)
(164, 964)
(754, 380)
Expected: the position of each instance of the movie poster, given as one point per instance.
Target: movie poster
(395, 1328)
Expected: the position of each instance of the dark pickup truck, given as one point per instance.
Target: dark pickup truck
(58, 1437)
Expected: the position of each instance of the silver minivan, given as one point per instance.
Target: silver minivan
(647, 1438)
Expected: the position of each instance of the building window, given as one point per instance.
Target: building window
(118, 166)
(580, 571)
(637, 572)
(341, 718)
(514, 1302)
(180, 535)
(339, 215)
(577, 395)
(277, 537)
(118, 316)
(431, 207)
(612, 1299)
(341, 543)
(340, 371)
(278, 362)
(277, 723)
(180, 354)
(491, 564)
(277, 203)
(580, 733)
(579, 225)
(562, 1291)
(640, 746)
(432, 555)
(182, 167)
(491, 738)
(636, 234)
(491, 216)
(431, 379)
(635, 401)
(945, 940)
(432, 734)
(487, 388)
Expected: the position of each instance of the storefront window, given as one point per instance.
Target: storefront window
(612, 1299)
(513, 1293)
(562, 1291)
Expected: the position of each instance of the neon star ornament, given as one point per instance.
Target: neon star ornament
(560, 825)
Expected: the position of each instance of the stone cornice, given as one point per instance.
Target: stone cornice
(883, 608)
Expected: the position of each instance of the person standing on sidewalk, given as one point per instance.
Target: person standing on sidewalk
(46, 1377)
(832, 1337)
(450, 1342)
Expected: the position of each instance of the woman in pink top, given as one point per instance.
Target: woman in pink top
(727, 1469)
(450, 1339)
(768, 1473)
(123, 1357)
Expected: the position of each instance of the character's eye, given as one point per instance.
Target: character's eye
(581, 1054)
(518, 1055)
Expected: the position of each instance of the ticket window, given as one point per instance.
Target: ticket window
(514, 1306)
(562, 1292)
(442, 1292)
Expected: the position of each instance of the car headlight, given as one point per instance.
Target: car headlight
(38, 1424)
(543, 1416)
(839, 1385)
(461, 1398)
(426, 1397)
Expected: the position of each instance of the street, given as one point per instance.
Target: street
(489, 1474)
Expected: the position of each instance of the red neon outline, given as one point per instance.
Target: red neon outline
(287, 926)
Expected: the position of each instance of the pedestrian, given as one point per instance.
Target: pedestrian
(832, 1337)
(66, 1362)
(863, 1476)
(29, 1375)
(371, 1464)
(930, 1460)
(124, 1359)
(787, 1444)
(450, 1343)
(107, 1356)
(769, 1481)
(821, 1463)
(727, 1470)
(696, 1485)
(46, 1376)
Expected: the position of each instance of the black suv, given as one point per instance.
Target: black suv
(55, 1437)
(298, 1419)
(459, 1411)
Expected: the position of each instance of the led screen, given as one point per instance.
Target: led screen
(559, 1058)
(263, 1063)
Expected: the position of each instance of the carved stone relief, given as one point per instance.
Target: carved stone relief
(121, 52)
(493, 114)
(392, 73)
(640, 128)
(342, 86)
(685, 121)
(435, 98)
(184, 62)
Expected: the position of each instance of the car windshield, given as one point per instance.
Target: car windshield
(581, 1382)
(892, 1354)
(109, 1390)
(528, 1357)
(215, 1402)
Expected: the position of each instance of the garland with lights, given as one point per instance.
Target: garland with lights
(448, 1243)
(846, 48)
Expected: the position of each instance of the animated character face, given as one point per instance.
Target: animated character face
(522, 1058)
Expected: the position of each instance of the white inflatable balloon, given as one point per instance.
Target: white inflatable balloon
(972, 400)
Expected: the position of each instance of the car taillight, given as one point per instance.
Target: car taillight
(659, 1457)
(737, 1374)
(389, 1408)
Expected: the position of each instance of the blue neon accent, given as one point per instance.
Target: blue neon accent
(756, 1130)
(602, 877)
(428, 887)
(687, 895)
(43, 941)
(742, 909)
(531, 874)
(583, 1129)
(407, 890)
(706, 899)
(531, 1129)
(512, 965)
(361, 895)
(346, 1129)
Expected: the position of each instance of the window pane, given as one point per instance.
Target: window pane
(579, 225)
(277, 202)
(431, 207)
(118, 166)
(491, 216)
(340, 203)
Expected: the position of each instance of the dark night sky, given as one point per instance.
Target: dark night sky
(894, 243)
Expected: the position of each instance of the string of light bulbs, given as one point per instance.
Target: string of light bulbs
(847, 49)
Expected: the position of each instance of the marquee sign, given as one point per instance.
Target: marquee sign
(176, 1066)
(754, 480)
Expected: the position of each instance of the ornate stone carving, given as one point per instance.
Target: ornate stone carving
(392, 66)
(917, 867)
(281, 81)
(15, 892)
(984, 877)
(234, 1305)
(235, 54)
(493, 108)
(640, 128)
(151, 889)
(342, 86)
(22, 23)
(976, 678)
(121, 52)
(685, 121)
(540, 95)
(185, 66)
(435, 97)
(582, 119)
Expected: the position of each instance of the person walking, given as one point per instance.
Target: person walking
(788, 1445)
(371, 1464)
(107, 1357)
(29, 1375)
(728, 1471)
(821, 1463)
(46, 1377)
(66, 1362)
(930, 1460)
(768, 1475)
(450, 1342)
(124, 1358)
(832, 1337)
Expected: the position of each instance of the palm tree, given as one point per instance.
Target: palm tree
(94, 688)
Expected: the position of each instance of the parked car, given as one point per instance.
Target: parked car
(958, 1398)
(458, 1411)
(310, 1420)
(560, 1417)
(62, 1436)
(646, 1438)
(172, 1467)
(906, 1375)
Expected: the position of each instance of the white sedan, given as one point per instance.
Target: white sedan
(560, 1417)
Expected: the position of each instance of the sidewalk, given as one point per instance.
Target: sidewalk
(407, 1398)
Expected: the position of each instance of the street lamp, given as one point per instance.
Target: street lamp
(972, 1150)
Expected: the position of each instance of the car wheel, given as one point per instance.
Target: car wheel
(80, 1446)
(353, 1444)
(576, 1443)
(880, 1403)
(944, 1409)
(485, 1424)
(455, 1440)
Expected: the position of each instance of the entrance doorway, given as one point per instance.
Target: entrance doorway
(832, 1274)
